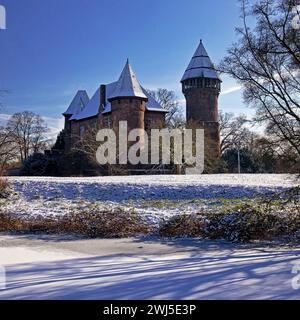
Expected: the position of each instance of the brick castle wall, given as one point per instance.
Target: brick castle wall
(202, 113)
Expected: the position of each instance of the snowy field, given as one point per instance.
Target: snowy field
(153, 196)
(53, 267)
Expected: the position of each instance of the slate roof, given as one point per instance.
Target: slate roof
(78, 103)
(200, 66)
(126, 86)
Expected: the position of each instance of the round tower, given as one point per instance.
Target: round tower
(128, 101)
(201, 86)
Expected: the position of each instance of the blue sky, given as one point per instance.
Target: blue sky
(52, 48)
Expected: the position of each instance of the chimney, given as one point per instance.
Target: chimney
(102, 97)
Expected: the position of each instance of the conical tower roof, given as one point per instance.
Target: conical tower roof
(200, 66)
(128, 85)
(78, 103)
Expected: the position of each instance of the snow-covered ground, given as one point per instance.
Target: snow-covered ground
(61, 267)
(53, 267)
(154, 196)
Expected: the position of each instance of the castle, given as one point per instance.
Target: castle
(127, 100)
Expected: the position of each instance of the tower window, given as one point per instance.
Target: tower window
(81, 131)
(214, 83)
(207, 83)
(107, 122)
(148, 125)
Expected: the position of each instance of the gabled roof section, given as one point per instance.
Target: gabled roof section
(200, 66)
(78, 103)
(128, 85)
(92, 108)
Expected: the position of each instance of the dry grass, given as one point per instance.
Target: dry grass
(183, 226)
(10, 223)
(112, 224)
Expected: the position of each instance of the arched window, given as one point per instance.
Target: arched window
(81, 131)
(107, 122)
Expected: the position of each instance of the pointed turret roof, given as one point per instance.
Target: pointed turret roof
(128, 85)
(200, 66)
(78, 103)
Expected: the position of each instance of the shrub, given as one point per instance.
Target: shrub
(112, 224)
(183, 226)
(109, 224)
(9, 223)
(75, 163)
(39, 165)
(240, 223)
(4, 188)
(250, 222)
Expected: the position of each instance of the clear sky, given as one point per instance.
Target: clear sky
(52, 48)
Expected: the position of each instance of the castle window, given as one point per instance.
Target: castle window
(148, 125)
(81, 131)
(107, 122)
(214, 84)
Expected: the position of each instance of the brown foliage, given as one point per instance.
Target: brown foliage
(110, 224)
(4, 188)
(183, 226)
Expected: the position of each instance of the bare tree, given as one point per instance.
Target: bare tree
(27, 131)
(7, 150)
(168, 100)
(233, 132)
(266, 61)
(88, 145)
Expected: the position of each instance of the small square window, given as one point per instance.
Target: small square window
(107, 122)
(148, 125)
